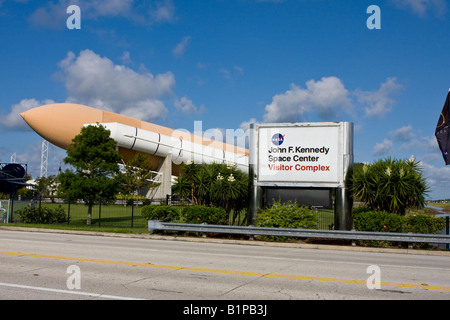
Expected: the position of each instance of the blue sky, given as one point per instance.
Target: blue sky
(230, 62)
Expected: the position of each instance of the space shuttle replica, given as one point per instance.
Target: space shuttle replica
(167, 148)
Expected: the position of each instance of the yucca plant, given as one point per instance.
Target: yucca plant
(214, 184)
(390, 185)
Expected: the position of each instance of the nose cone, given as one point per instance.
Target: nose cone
(60, 123)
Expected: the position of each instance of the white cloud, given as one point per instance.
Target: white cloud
(246, 124)
(326, 97)
(13, 120)
(181, 47)
(164, 12)
(437, 177)
(146, 110)
(53, 14)
(96, 81)
(382, 148)
(407, 139)
(126, 58)
(429, 144)
(421, 7)
(109, 8)
(186, 106)
(379, 103)
(230, 75)
(404, 134)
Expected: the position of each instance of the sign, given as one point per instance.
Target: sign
(303, 153)
(305, 162)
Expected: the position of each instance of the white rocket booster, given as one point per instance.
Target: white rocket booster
(182, 149)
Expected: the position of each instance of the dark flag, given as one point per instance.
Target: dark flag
(442, 130)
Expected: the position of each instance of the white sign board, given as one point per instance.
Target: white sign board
(303, 153)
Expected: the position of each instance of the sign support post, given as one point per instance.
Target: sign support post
(255, 191)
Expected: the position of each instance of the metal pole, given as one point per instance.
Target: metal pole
(39, 212)
(447, 228)
(99, 211)
(68, 212)
(255, 193)
(132, 213)
(343, 219)
(11, 208)
(9, 211)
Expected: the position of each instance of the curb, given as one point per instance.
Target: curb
(238, 242)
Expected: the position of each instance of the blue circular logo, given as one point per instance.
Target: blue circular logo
(278, 139)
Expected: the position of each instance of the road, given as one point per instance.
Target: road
(52, 266)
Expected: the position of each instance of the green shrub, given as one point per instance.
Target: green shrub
(202, 214)
(28, 215)
(422, 223)
(44, 215)
(379, 221)
(390, 222)
(163, 213)
(288, 215)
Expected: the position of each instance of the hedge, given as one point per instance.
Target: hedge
(380, 221)
(203, 214)
(157, 212)
(44, 215)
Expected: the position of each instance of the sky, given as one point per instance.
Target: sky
(228, 63)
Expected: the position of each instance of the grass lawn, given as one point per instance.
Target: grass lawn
(111, 215)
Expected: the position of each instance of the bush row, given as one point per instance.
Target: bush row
(191, 214)
(380, 221)
(43, 215)
(290, 215)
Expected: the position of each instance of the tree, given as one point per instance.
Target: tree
(45, 186)
(390, 185)
(94, 158)
(136, 174)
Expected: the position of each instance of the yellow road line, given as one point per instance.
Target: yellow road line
(244, 273)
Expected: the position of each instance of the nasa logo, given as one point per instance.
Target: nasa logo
(278, 139)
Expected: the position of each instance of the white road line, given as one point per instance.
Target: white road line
(80, 293)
